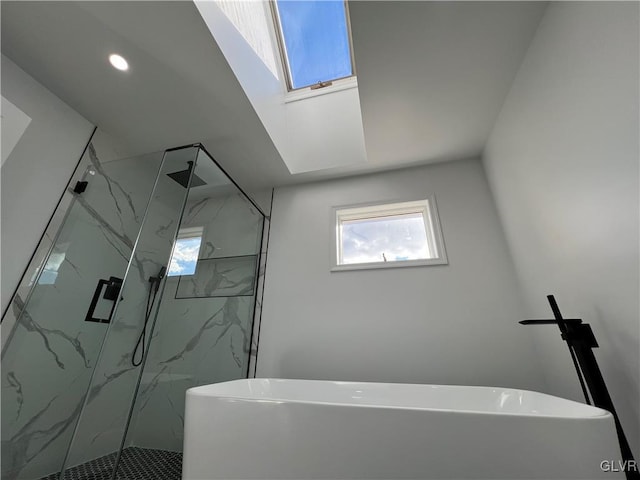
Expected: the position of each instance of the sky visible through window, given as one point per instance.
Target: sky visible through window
(316, 39)
(50, 271)
(394, 238)
(185, 256)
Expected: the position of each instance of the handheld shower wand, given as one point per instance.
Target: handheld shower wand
(154, 286)
(155, 281)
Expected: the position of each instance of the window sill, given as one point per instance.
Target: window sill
(337, 86)
(378, 265)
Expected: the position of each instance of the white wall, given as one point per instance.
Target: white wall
(452, 324)
(562, 162)
(37, 170)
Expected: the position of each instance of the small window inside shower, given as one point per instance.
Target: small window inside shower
(184, 257)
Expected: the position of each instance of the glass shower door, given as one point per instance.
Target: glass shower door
(49, 358)
(202, 331)
(102, 424)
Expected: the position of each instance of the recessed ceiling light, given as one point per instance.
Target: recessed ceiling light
(118, 62)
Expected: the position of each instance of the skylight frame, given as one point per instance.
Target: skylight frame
(284, 58)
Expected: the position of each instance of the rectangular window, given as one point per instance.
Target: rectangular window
(184, 257)
(388, 235)
(315, 41)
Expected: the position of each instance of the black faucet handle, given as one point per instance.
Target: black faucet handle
(552, 321)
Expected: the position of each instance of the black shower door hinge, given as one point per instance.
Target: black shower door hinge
(80, 187)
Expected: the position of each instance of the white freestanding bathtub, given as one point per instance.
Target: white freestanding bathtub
(303, 429)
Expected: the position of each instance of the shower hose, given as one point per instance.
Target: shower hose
(154, 286)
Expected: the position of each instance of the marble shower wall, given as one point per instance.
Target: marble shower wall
(103, 421)
(49, 350)
(50, 355)
(206, 337)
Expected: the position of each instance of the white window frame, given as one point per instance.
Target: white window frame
(300, 93)
(427, 207)
(347, 83)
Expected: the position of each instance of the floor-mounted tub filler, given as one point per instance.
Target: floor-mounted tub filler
(303, 429)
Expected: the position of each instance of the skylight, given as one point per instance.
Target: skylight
(315, 41)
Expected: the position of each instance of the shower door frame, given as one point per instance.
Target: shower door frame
(156, 308)
(114, 311)
(41, 255)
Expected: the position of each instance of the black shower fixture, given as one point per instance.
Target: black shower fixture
(182, 177)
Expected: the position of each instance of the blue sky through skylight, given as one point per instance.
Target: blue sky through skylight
(316, 39)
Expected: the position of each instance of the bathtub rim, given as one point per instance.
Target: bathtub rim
(205, 391)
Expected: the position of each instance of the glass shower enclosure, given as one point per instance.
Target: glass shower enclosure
(144, 286)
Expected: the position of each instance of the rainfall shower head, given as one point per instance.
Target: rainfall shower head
(182, 177)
